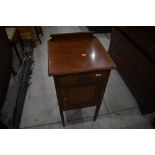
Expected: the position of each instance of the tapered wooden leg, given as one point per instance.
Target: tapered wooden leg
(59, 101)
(96, 112)
(62, 117)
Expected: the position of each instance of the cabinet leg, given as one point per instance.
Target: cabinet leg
(62, 117)
(96, 112)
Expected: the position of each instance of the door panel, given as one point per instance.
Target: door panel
(75, 93)
(78, 95)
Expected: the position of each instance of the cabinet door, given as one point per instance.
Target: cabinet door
(81, 90)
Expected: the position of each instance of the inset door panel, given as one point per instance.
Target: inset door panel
(78, 95)
(77, 91)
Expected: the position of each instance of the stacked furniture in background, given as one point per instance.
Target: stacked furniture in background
(13, 88)
(133, 50)
(30, 33)
(14, 39)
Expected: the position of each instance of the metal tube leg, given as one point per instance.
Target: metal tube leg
(38, 38)
(21, 41)
(40, 29)
(13, 71)
(16, 51)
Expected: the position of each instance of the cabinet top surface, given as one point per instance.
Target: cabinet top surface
(75, 53)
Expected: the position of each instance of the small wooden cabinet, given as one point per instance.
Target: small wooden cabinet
(80, 67)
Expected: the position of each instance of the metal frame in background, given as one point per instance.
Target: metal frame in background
(23, 85)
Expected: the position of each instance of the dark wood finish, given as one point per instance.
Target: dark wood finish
(27, 33)
(143, 38)
(5, 65)
(133, 50)
(65, 55)
(76, 35)
(81, 67)
(80, 90)
(30, 33)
